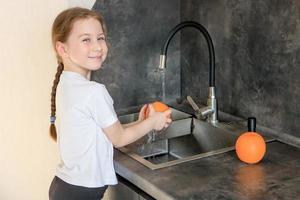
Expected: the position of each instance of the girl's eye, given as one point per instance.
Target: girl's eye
(86, 40)
(101, 38)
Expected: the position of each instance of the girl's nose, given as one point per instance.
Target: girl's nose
(97, 47)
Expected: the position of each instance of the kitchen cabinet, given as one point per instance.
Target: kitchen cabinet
(126, 191)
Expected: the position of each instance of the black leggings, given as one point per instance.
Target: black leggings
(60, 190)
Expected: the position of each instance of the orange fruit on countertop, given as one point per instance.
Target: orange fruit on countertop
(158, 107)
(250, 147)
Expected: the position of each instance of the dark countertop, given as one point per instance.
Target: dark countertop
(221, 176)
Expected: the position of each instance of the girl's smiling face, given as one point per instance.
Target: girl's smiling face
(85, 49)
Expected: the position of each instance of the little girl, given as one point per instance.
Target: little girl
(88, 126)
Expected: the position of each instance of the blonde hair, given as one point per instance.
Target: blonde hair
(61, 30)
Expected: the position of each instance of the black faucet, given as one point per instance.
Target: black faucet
(211, 111)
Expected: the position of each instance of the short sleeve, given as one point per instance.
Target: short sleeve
(100, 105)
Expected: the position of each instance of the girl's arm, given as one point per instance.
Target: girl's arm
(130, 124)
(120, 136)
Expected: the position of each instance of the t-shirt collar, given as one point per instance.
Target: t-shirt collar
(74, 75)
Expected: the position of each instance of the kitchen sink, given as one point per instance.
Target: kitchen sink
(186, 139)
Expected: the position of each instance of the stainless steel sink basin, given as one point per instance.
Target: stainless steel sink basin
(186, 139)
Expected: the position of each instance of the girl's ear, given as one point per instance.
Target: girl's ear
(61, 49)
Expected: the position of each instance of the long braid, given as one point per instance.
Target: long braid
(53, 133)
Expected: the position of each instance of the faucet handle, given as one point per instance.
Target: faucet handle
(200, 113)
(195, 107)
(193, 104)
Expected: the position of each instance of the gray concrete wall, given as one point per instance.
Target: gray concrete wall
(257, 45)
(136, 31)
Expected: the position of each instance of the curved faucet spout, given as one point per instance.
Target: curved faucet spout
(212, 100)
(199, 27)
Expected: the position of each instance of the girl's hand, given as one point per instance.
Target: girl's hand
(142, 114)
(161, 119)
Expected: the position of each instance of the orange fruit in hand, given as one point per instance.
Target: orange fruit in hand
(158, 107)
(250, 147)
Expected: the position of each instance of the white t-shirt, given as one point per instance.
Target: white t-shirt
(83, 108)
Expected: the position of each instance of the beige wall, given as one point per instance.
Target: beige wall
(27, 156)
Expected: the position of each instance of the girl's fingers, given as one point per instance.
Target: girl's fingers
(168, 112)
(151, 110)
(167, 124)
(169, 120)
(143, 109)
(142, 114)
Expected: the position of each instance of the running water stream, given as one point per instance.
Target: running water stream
(163, 84)
(152, 134)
